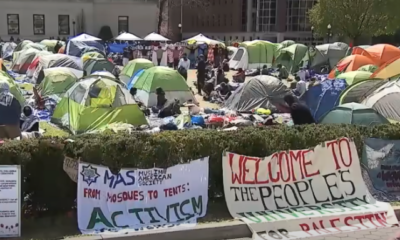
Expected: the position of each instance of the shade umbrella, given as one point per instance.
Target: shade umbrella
(155, 37)
(200, 39)
(368, 68)
(355, 114)
(354, 76)
(128, 37)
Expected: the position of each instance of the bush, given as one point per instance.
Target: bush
(48, 189)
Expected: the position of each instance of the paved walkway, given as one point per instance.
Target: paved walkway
(378, 234)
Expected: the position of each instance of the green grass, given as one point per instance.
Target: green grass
(52, 131)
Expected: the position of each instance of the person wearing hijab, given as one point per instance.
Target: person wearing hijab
(29, 121)
(300, 113)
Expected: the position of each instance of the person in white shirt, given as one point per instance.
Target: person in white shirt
(184, 66)
(301, 86)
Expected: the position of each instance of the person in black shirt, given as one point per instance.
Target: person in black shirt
(201, 74)
(300, 113)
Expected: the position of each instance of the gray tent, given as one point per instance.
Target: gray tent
(259, 92)
(328, 54)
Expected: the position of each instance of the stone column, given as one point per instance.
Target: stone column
(249, 15)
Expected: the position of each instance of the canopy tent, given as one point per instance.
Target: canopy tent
(171, 81)
(259, 92)
(293, 57)
(55, 60)
(388, 70)
(359, 91)
(25, 58)
(253, 54)
(56, 81)
(128, 37)
(133, 67)
(368, 68)
(200, 39)
(98, 64)
(354, 76)
(155, 37)
(381, 53)
(231, 51)
(94, 103)
(355, 114)
(386, 100)
(7, 50)
(328, 55)
(77, 45)
(21, 45)
(323, 97)
(349, 64)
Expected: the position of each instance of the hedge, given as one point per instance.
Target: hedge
(47, 189)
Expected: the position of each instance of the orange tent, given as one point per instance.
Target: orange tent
(351, 63)
(382, 53)
(388, 70)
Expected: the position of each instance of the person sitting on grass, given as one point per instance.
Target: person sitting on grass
(240, 76)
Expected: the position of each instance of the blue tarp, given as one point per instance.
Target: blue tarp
(381, 168)
(117, 47)
(323, 97)
(134, 78)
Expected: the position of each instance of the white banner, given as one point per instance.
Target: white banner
(303, 193)
(10, 201)
(136, 200)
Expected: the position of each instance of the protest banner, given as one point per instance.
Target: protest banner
(137, 200)
(10, 201)
(302, 193)
(381, 168)
(70, 167)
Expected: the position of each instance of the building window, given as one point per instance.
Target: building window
(63, 25)
(297, 19)
(13, 24)
(123, 24)
(38, 24)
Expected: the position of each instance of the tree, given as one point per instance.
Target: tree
(356, 18)
(165, 5)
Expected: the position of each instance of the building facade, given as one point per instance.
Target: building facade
(40, 19)
(244, 20)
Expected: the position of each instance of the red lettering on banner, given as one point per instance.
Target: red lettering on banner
(170, 192)
(341, 147)
(296, 158)
(125, 196)
(236, 176)
(278, 175)
(91, 193)
(250, 163)
(305, 164)
(332, 222)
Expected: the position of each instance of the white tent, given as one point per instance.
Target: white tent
(200, 39)
(155, 37)
(84, 38)
(127, 37)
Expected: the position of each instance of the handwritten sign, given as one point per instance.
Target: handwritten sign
(302, 193)
(136, 200)
(10, 201)
(70, 167)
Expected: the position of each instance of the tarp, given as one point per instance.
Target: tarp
(280, 197)
(359, 91)
(117, 47)
(323, 97)
(355, 114)
(259, 92)
(381, 166)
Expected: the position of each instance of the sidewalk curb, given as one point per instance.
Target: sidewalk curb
(208, 231)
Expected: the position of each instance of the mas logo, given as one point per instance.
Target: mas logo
(89, 174)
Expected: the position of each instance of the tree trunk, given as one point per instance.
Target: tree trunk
(160, 15)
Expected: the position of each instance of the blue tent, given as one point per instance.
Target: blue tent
(323, 97)
(134, 78)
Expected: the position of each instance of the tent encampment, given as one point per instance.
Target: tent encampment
(95, 102)
(171, 81)
(25, 58)
(355, 114)
(359, 91)
(253, 54)
(78, 44)
(350, 63)
(293, 57)
(380, 53)
(385, 100)
(354, 76)
(328, 55)
(133, 67)
(98, 64)
(57, 81)
(259, 92)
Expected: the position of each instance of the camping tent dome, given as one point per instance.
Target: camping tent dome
(259, 92)
(56, 81)
(24, 59)
(354, 113)
(133, 67)
(88, 55)
(253, 54)
(171, 81)
(55, 60)
(360, 90)
(103, 74)
(94, 102)
(21, 45)
(14, 88)
(293, 56)
(98, 64)
(354, 76)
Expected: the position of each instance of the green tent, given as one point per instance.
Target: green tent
(89, 55)
(171, 81)
(355, 114)
(14, 88)
(98, 64)
(368, 68)
(354, 76)
(56, 81)
(253, 54)
(50, 44)
(292, 57)
(133, 67)
(94, 102)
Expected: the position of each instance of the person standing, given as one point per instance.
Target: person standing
(176, 55)
(184, 66)
(216, 56)
(201, 74)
